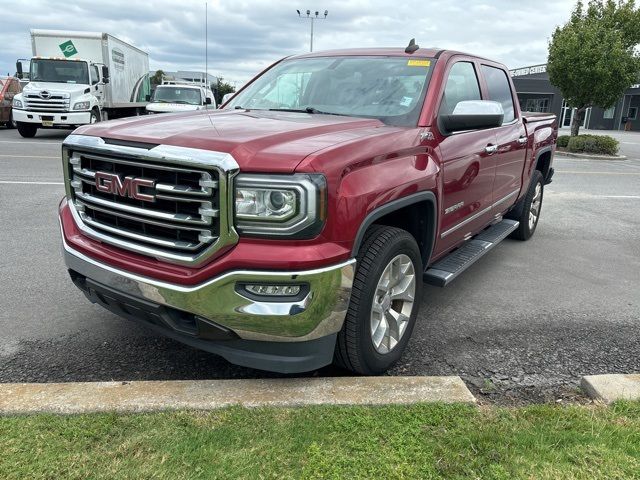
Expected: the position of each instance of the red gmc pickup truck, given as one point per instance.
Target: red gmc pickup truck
(296, 226)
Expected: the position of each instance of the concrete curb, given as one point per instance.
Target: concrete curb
(609, 388)
(589, 156)
(145, 396)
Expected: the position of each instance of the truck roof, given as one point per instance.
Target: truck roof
(393, 51)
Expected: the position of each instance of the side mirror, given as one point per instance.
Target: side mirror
(472, 115)
(105, 74)
(19, 72)
(227, 97)
(147, 98)
(207, 101)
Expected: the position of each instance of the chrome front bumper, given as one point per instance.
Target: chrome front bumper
(319, 313)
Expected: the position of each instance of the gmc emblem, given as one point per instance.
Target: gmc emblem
(129, 187)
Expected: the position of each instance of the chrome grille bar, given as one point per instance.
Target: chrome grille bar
(143, 212)
(189, 219)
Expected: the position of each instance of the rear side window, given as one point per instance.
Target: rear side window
(499, 90)
(462, 84)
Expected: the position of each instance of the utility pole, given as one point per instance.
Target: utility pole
(314, 17)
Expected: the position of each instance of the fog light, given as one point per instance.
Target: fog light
(274, 290)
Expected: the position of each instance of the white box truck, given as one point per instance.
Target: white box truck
(77, 78)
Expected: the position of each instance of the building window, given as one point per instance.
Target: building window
(608, 113)
(535, 105)
(633, 113)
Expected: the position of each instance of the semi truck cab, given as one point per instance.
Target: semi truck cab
(61, 92)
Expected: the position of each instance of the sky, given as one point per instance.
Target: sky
(245, 36)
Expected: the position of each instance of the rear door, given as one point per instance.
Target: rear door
(511, 138)
(468, 162)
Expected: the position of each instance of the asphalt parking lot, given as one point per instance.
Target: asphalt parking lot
(523, 324)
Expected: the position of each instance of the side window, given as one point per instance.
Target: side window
(499, 90)
(462, 84)
(95, 75)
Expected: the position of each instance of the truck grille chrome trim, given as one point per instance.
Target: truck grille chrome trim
(55, 103)
(182, 213)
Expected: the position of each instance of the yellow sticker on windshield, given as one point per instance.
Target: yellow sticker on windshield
(419, 63)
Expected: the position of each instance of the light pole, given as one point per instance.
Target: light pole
(206, 41)
(315, 16)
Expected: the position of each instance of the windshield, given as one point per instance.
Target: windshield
(189, 96)
(388, 88)
(59, 71)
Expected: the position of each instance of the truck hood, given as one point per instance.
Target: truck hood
(70, 88)
(258, 140)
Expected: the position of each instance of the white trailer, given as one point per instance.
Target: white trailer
(77, 78)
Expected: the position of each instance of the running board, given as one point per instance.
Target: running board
(445, 270)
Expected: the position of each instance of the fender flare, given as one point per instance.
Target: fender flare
(543, 150)
(539, 153)
(426, 196)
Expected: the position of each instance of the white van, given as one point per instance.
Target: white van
(180, 97)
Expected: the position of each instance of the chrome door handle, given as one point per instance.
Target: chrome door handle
(522, 140)
(491, 149)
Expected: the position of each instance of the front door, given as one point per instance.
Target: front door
(468, 162)
(97, 86)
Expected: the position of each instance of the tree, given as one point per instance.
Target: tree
(156, 78)
(221, 89)
(592, 58)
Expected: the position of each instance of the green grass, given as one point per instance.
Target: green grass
(424, 441)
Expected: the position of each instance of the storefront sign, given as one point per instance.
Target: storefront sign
(519, 72)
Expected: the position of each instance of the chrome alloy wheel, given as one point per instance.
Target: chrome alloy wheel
(392, 303)
(536, 202)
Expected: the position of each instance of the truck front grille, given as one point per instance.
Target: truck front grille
(181, 215)
(55, 103)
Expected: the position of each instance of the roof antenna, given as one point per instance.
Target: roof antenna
(412, 47)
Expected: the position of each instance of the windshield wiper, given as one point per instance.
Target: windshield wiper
(311, 110)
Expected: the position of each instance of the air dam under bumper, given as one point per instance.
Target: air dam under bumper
(288, 336)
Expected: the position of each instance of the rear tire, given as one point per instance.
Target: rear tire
(527, 211)
(27, 130)
(387, 290)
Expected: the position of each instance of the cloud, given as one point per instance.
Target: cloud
(246, 36)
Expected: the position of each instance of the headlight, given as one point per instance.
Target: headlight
(280, 205)
(16, 103)
(81, 106)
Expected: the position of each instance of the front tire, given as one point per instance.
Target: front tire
(527, 211)
(386, 295)
(27, 130)
(94, 117)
